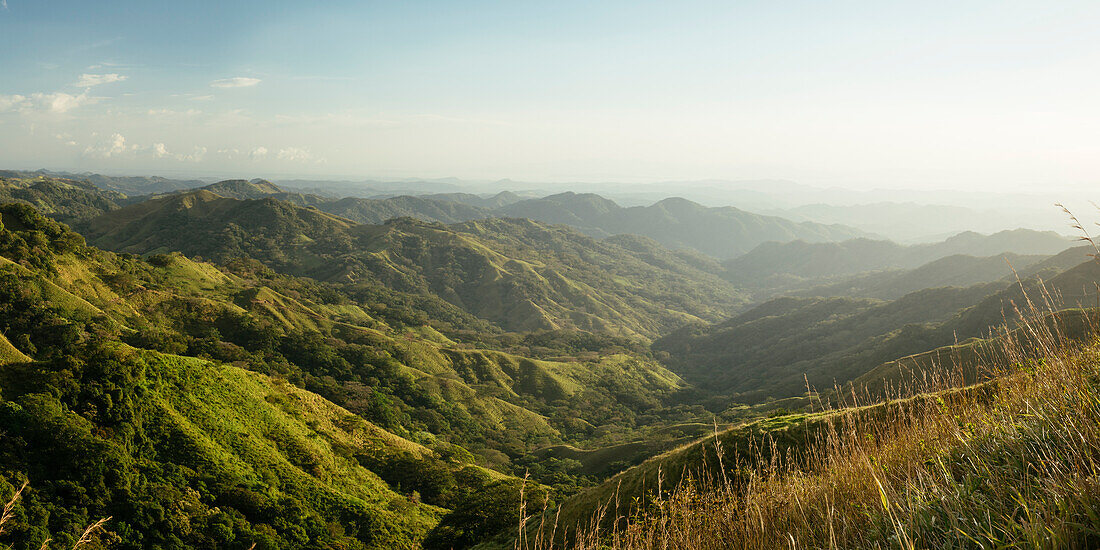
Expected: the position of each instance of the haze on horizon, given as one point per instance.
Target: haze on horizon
(979, 95)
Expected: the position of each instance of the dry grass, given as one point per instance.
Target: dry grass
(1011, 463)
(86, 539)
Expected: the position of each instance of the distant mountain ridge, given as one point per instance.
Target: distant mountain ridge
(677, 223)
(766, 351)
(721, 232)
(807, 260)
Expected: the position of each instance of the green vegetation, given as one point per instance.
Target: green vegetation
(243, 365)
(516, 274)
(80, 308)
(65, 200)
(1009, 463)
(774, 349)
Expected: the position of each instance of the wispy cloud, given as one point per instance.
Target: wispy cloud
(88, 80)
(94, 45)
(202, 98)
(235, 82)
(173, 113)
(4, 4)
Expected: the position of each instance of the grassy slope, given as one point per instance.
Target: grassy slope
(10, 353)
(1009, 463)
(755, 443)
(246, 426)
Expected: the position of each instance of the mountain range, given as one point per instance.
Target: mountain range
(256, 365)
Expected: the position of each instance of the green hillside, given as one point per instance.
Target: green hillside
(63, 199)
(517, 274)
(405, 378)
(229, 434)
(236, 455)
(244, 189)
(375, 211)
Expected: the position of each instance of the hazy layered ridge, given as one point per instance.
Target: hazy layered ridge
(675, 222)
(767, 351)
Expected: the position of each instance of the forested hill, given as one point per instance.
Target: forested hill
(197, 405)
(62, 199)
(517, 274)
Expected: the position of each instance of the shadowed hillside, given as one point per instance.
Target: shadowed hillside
(767, 351)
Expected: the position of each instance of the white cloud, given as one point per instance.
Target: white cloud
(11, 102)
(196, 155)
(202, 98)
(4, 4)
(113, 147)
(233, 153)
(295, 154)
(88, 80)
(56, 102)
(60, 102)
(235, 82)
(160, 151)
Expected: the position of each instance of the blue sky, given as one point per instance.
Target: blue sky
(860, 94)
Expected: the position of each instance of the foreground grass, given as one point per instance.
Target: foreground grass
(1014, 463)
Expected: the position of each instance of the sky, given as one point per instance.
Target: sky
(964, 94)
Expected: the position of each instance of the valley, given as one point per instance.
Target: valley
(284, 368)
